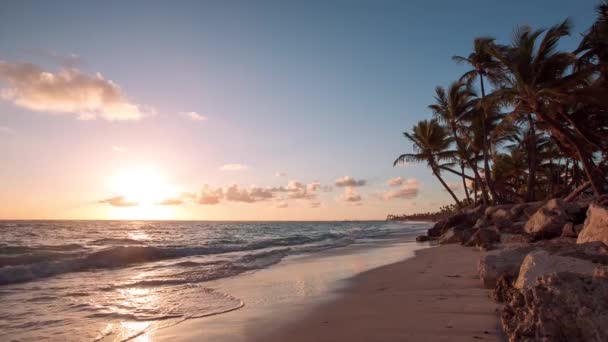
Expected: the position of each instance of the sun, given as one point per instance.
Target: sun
(145, 188)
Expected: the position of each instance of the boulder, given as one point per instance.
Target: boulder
(497, 263)
(548, 221)
(443, 225)
(539, 263)
(483, 237)
(508, 238)
(596, 225)
(457, 234)
(504, 289)
(561, 306)
(568, 230)
(422, 238)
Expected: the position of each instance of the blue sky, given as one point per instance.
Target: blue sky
(316, 89)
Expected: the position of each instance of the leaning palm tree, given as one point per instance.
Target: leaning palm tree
(431, 145)
(450, 108)
(484, 66)
(535, 83)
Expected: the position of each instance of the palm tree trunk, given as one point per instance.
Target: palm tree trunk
(447, 188)
(455, 172)
(464, 183)
(594, 174)
(531, 160)
(484, 130)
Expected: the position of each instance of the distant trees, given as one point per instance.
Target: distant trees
(539, 128)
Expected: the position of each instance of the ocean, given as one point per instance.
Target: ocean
(113, 280)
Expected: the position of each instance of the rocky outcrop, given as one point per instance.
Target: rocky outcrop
(422, 238)
(483, 237)
(457, 234)
(560, 306)
(464, 218)
(548, 221)
(540, 263)
(504, 262)
(507, 238)
(596, 224)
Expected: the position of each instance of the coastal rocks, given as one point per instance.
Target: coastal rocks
(568, 230)
(539, 263)
(422, 238)
(455, 220)
(504, 262)
(458, 234)
(548, 221)
(508, 238)
(596, 225)
(483, 238)
(561, 306)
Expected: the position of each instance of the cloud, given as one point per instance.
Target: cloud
(69, 60)
(351, 195)
(395, 181)
(209, 196)
(236, 194)
(67, 91)
(171, 201)
(348, 181)
(280, 174)
(119, 201)
(119, 149)
(408, 189)
(234, 167)
(282, 205)
(194, 116)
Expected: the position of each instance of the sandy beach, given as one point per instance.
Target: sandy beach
(434, 296)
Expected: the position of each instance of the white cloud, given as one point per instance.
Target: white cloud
(67, 91)
(171, 201)
(348, 181)
(209, 196)
(351, 195)
(119, 149)
(118, 201)
(408, 189)
(234, 167)
(194, 116)
(395, 181)
(280, 174)
(236, 194)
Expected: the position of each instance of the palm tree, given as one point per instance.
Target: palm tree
(484, 65)
(450, 107)
(535, 84)
(431, 145)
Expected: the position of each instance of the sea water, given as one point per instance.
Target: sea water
(114, 280)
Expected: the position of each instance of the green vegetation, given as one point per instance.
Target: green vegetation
(537, 130)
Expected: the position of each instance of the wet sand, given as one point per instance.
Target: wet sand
(434, 296)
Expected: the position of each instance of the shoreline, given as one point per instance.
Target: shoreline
(434, 296)
(429, 294)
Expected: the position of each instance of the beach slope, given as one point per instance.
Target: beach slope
(435, 296)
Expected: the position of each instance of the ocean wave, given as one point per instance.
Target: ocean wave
(111, 241)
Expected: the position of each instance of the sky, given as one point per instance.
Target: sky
(232, 110)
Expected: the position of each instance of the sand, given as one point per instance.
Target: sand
(435, 296)
(348, 295)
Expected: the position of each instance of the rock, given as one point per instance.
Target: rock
(578, 228)
(549, 220)
(504, 289)
(568, 230)
(515, 238)
(558, 307)
(497, 263)
(457, 234)
(443, 225)
(422, 238)
(596, 225)
(539, 263)
(483, 237)
(525, 210)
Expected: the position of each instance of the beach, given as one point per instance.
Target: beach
(433, 296)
